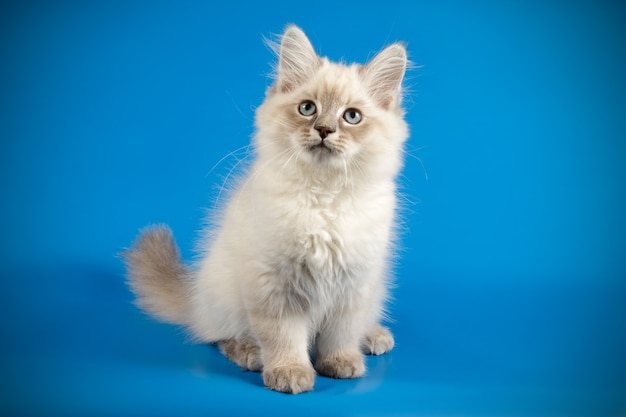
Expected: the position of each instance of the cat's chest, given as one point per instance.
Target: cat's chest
(319, 244)
(321, 233)
(328, 238)
(327, 234)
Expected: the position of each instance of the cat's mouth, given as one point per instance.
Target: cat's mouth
(321, 148)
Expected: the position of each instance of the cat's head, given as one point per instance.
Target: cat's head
(330, 115)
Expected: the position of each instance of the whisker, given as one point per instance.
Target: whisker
(228, 155)
(408, 153)
(219, 194)
(234, 103)
(293, 152)
(256, 172)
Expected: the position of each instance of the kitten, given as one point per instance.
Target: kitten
(298, 265)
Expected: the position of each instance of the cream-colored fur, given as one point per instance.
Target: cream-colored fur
(298, 265)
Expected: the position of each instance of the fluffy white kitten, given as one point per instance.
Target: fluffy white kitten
(298, 265)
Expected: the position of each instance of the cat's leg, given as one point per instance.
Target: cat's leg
(338, 350)
(284, 343)
(377, 340)
(244, 353)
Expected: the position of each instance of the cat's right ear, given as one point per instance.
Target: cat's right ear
(297, 60)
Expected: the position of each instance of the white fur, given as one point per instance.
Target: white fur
(288, 211)
(300, 259)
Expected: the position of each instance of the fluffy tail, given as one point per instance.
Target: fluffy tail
(157, 276)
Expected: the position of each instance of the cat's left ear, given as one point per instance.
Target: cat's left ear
(384, 73)
(297, 60)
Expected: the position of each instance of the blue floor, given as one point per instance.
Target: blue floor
(511, 282)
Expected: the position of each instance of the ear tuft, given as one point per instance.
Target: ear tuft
(384, 73)
(297, 60)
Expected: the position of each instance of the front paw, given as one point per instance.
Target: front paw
(292, 379)
(341, 366)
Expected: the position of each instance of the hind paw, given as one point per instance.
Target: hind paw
(244, 353)
(377, 341)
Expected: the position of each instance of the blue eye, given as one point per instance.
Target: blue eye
(307, 108)
(352, 116)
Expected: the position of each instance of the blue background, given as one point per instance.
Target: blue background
(511, 297)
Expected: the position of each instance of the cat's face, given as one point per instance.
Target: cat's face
(327, 119)
(332, 115)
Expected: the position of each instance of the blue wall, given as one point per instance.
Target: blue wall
(511, 291)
